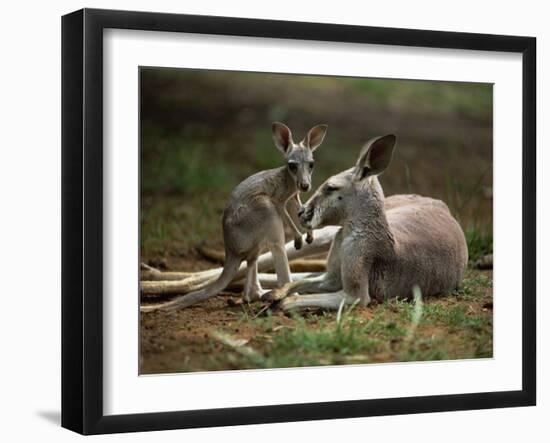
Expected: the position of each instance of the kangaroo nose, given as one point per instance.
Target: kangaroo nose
(304, 186)
(301, 211)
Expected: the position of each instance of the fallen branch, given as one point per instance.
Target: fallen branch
(308, 265)
(189, 284)
(267, 280)
(146, 267)
(197, 280)
(157, 275)
(297, 265)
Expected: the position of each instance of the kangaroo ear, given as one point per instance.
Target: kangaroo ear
(375, 156)
(315, 137)
(282, 137)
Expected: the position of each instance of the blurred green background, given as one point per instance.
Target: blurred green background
(202, 132)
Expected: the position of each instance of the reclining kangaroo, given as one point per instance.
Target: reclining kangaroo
(385, 247)
(255, 215)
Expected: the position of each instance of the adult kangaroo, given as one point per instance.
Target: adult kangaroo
(385, 247)
(255, 215)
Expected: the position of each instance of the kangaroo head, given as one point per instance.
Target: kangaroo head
(351, 191)
(299, 156)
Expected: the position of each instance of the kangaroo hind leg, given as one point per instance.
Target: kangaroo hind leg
(252, 289)
(280, 261)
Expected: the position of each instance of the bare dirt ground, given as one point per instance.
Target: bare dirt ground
(454, 326)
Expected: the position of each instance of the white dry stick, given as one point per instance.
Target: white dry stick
(164, 276)
(296, 266)
(321, 244)
(146, 267)
(267, 280)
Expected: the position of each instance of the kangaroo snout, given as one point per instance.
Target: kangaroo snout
(304, 186)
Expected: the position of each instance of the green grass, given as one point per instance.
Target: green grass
(176, 225)
(472, 284)
(464, 202)
(182, 166)
(456, 326)
(480, 242)
(468, 100)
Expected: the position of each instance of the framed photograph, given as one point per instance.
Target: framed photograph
(269, 221)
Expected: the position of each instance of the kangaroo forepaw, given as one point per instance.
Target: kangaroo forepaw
(298, 242)
(269, 296)
(274, 295)
(309, 237)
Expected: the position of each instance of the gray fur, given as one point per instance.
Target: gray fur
(255, 215)
(385, 247)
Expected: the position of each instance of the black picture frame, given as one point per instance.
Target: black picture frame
(82, 220)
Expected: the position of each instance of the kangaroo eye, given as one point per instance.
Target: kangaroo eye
(293, 166)
(331, 188)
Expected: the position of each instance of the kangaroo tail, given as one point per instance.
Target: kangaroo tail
(230, 269)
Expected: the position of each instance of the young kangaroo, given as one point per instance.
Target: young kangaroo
(255, 215)
(385, 247)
